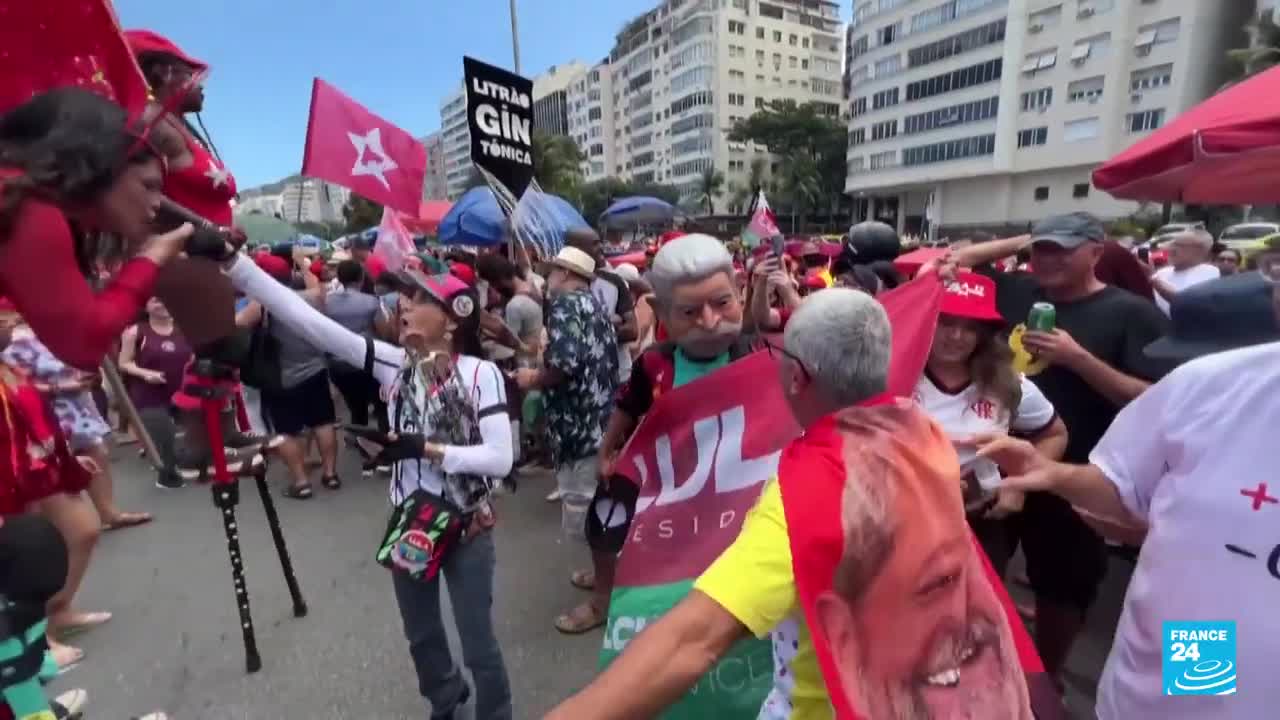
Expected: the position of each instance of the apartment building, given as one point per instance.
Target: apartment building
(435, 187)
(455, 143)
(312, 200)
(590, 105)
(686, 71)
(995, 112)
(551, 97)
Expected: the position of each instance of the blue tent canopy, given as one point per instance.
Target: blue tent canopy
(477, 219)
(635, 211)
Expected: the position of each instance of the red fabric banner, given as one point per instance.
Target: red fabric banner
(350, 146)
(47, 44)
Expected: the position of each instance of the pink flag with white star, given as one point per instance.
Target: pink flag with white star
(350, 146)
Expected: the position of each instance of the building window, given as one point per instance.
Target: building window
(737, 99)
(949, 150)
(884, 130)
(759, 33)
(1156, 34)
(777, 36)
(1037, 99)
(1098, 46)
(857, 165)
(888, 66)
(804, 63)
(1151, 78)
(1088, 8)
(760, 58)
(1145, 120)
(737, 75)
(974, 111)
(888, 34)
(884, 99)
(980, 37)
(737, 27)
(793, 40)
(759, 103)
(1033, 136)
(857, 137)
(1079, 130)
(889, 158)
(857, 106)
(1086, 90)
(956, 80)
(858, 48)
(1080, 190)
(1044, 60)
(1044, 19)
(1042, 193)
(793, 62)
(804, 43)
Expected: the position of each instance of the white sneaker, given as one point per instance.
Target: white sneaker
(554, 496)
(74, 702)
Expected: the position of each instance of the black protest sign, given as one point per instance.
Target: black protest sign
(500, 118)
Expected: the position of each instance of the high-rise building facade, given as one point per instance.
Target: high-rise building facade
(455, 143)
(590, 99)
(435, 187)
(685, 72)
(551, 97)
(996, 112)
(312, 200)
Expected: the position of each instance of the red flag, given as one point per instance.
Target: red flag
(394, 244)
(350, 146)
(48, 44)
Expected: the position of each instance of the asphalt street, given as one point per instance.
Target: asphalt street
(174, 642)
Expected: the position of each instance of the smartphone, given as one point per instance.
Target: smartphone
(779, 245)
(1144, 254)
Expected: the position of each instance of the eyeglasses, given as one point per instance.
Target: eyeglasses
(776, 350)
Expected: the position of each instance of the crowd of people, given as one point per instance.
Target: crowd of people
(1134, 416)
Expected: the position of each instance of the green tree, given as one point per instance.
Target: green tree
(557, 164)
(800, 184)
(791, 131)
(360, 214)
(1263, 51)
(710, 186)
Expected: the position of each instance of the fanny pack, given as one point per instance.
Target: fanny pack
(421, 533)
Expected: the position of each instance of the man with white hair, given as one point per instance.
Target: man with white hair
(1189, 264)
(696, 300)
(835, 353)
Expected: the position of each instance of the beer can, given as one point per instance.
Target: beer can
(1042, 318)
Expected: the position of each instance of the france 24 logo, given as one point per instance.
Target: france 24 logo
(1199, 658)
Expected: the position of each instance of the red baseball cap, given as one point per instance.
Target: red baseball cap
(374, 266)
(971, 296)
(275, 266)
(146, 41)
(463, 272)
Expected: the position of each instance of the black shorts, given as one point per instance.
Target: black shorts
(307, 405)
(609, 534)
(1066, 559)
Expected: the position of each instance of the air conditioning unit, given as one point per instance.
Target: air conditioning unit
(1035, 29)
(1085, 13)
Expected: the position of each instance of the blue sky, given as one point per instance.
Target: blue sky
(396, 57)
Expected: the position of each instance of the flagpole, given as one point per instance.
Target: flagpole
(515, 38)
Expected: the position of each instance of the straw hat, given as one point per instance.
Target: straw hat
(575, 261)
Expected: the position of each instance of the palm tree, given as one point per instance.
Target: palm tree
(557, 163)
(1263, 52)
(801, 184)
(710, 186)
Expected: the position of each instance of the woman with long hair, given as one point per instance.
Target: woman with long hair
(969, 386)
(450, 443)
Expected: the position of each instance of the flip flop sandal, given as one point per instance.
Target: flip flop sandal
(583, 579)
(579, 620)
(70, 704)
(87, 622)
(332, 482)
(127, 520)
(299, 492)
(67, 657)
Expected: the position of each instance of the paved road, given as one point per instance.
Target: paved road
(174, 643)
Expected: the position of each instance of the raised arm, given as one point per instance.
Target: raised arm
(285, 306)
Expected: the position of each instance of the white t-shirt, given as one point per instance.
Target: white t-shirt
(1183, 279)
(1193, 457)
(967, 412)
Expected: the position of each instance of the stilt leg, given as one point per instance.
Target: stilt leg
(225, 498)
(273, 521)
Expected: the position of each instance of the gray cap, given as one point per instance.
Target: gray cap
(1069, 230)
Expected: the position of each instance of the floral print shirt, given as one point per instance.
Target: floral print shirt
(583, 345)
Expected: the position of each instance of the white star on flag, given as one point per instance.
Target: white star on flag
(217, 175)
(372, 143)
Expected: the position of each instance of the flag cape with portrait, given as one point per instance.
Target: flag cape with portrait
(700, 457)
